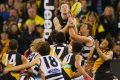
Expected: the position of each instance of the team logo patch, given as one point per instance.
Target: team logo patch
(53, 71)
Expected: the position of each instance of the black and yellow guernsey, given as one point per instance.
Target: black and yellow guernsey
(68, 66)
(101, 65)
(11, 59)
(102, 68)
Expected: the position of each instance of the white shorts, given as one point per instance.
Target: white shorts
(22, 78)
(79, 78)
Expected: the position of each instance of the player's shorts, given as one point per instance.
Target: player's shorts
(23, 77)
(79, 78)
(106, 75)
(7, 77)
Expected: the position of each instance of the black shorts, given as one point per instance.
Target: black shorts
(7, 77)
(106, 75)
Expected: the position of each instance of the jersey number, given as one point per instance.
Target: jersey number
(60, 52)
(52, 60)
(11, 61)
(68, 58)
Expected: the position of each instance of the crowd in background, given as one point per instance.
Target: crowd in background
(23, 20)
(103, 15)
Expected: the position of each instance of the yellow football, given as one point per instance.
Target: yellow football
(76, 8)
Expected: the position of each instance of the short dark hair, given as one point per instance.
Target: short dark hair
(51, 38)
(13, 44)
(44, 49)
(77, 46)
(60, 37)
(111, 42)
(89, 26)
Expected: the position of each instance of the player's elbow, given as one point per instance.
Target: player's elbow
(73, 37)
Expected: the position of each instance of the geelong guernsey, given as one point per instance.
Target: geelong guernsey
(51, 68)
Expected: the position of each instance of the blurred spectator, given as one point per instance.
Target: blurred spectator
(3, 12)
(34, 17)
(26, 6)
(5, 42)
(18, 6)
(99, 5)
(4, 15)
(40, 30)
(117, 39)
(1, 46)
(14, 33)
(80, 21)
(56, 12)
(118, 16)
(14, 16)
(5, 26)
(108, 22)
(117, 51)
(92, 19)
(84, 9)
(29, 35)
(10, 4)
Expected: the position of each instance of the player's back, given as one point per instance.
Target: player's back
(11, 59)
(51, 68)
(32, 56)
(68, 66)
(59, 51)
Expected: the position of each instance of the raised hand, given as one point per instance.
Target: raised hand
(96, 44)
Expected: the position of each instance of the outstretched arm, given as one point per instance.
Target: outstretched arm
(77, 37)
(23, 66)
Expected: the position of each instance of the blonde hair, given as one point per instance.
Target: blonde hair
(35, 43)
(112, 11)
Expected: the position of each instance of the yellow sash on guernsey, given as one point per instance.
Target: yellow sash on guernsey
(54, 54)
(67, 69)
(97, 64)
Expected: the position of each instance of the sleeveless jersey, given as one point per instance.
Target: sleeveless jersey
(51, 68)
(35, 69)
(86, 49)
(32, 56)
(59, 51)
(68, 65)
(63, 23)
(12, 59)
(100, 65)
